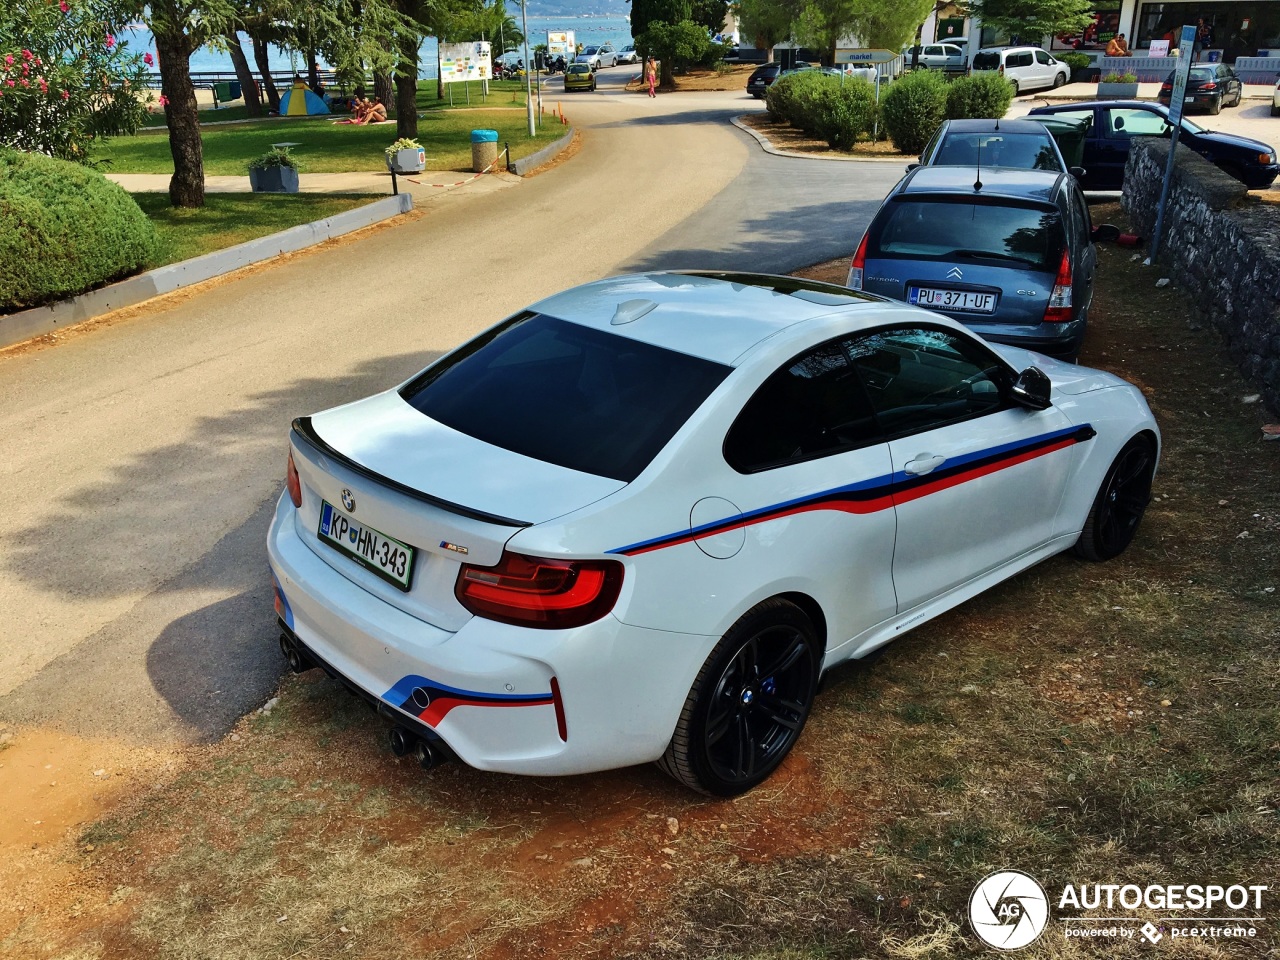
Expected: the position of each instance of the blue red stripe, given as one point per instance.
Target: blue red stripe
(880, 493)
(431, 702)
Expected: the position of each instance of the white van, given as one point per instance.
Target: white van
(1027, 68)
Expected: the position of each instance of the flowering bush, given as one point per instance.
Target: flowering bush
(65, 79)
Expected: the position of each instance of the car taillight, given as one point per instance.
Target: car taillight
(856, 265)
(293, 482)
(1208, 86)
(1166, 87)
(538, 592)
(1059, 309)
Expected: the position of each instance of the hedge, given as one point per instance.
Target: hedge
(912, 109)
(64, 229)
(837, 110)
(981, 96)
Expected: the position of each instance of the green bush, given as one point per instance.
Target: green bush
(795, 98)
(983, 95)
(64, 229)
(912, 109)
(846, 112)
(1076, 61)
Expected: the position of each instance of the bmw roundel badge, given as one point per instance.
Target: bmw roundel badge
(348, 501)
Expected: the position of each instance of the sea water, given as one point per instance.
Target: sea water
(588, 31)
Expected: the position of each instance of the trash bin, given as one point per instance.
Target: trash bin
(484, 149)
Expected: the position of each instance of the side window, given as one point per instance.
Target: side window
(1080, 220)
(814, 406)
(1042, 57)
(921, 378)
(1020, 60)
(1123, 122)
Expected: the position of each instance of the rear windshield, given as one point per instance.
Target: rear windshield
(928, 229)
(986, 61)
(566, 394)
(1027, 151)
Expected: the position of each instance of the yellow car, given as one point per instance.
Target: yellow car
(579, 76)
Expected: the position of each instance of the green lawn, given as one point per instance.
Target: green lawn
(326, 147)
(502, 93)
(230, 218)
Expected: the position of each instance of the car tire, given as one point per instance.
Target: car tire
(1058, 80)
(1215, 107)
(1275, 111)
(1014, 84)
(749, 702)
(1122, 498)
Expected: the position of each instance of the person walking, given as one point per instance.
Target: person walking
(651, 75)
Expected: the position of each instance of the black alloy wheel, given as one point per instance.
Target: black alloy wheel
(1121, 501)
(748, 704)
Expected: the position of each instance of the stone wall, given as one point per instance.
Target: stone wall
(1220, 245)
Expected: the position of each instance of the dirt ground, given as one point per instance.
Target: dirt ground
(1085, 723)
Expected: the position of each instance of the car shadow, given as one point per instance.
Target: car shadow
(194, 653)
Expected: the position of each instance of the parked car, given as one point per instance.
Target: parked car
(1114, 123)
(1007, 252)
(762, 77)
(1027, 68)
(1212, 86)
(608, 54)
(589, 56)
(629, 54)
(938, 56)
(1275, 98)
(638, 520)
(993, 143)
(579, 76)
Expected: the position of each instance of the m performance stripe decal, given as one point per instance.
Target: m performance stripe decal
(880, 493)
(431, 702)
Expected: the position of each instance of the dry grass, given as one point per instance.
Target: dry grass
(1084, 723)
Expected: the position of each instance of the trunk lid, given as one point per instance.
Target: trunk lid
(450, 497)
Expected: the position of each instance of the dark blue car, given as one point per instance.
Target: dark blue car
(1116, 122)
(1007, 252)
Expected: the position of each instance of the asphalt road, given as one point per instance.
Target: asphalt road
(141, 460)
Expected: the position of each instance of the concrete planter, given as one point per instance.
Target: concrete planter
(408, 161)
(273, 179)
(1117, 91)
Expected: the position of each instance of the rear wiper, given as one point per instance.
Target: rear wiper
(990, 255)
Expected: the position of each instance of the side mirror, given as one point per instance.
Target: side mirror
(1105, 233)
(1077, 172)
(911, 166)
(1032, 389)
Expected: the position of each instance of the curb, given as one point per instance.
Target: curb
(547, 153)
(768, 147)
(17, 327)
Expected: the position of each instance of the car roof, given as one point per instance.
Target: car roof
(1009, 49)
(1005, 182)
(996, 126)
(716, 316)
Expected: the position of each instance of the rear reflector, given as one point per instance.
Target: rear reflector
(1059, 309)
(538, 592)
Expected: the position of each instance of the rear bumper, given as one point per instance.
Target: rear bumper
(501, 697)
(1060, 340)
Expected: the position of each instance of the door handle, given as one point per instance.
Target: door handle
(923, 463)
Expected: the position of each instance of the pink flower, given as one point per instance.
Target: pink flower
(38, 61)
(111, 41)
(148, 59)
(164, 101)
(27, 54)
(8, 59)
(23, 81)
(44, 87)
(63, 6)
(66, 94)
(9, 82)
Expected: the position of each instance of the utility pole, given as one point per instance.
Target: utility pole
(528, 65)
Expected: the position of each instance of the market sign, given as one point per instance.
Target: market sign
(865, 56)
(1180, 74)
(561, 43)
(464, 61)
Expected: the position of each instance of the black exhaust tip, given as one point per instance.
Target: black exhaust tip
(428, 756)
(298, 663)
(402, 741)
